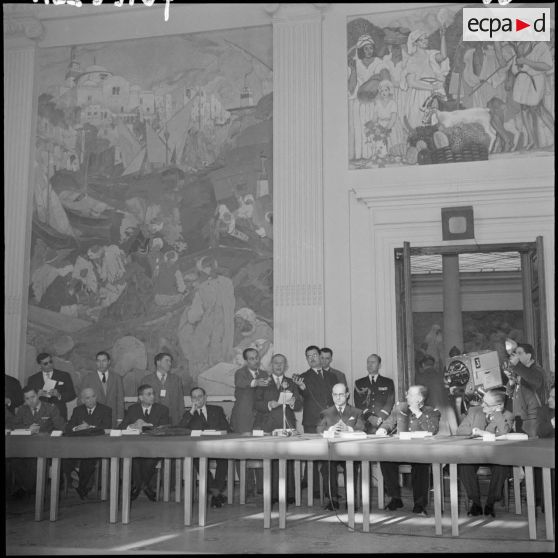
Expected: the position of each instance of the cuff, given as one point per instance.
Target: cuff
(385, 412)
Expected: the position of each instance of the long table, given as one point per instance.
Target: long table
(436, 450)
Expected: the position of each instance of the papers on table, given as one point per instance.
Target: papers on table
(513, 436)
(284, 396)
(21, 432)
(416, 434)
(208, 432)
(49, 385)
(353, 435)
(130, 432)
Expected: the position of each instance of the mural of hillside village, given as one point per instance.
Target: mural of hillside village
(419, 94)
(152, 212)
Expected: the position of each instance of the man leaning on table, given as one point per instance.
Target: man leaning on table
(340, 417)
(38, 417)
(490, 417)
(410, 416)
(144, 413)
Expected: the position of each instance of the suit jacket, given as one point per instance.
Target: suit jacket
(64, 385)
(544, 426)
(48, 418)
(159, 415)
(316, 396)
(101, 417)
(114, 396)
(341, 379)
(377, 402)
(216, 419)
(403, 420)
(270, 420)
(174, 396)
(12, 390)
(351, 417)
(244, 411)
(501, 423)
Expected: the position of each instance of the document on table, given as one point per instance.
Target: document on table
(50, 384)
(284, 397)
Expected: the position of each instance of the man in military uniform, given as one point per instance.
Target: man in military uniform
(374, 394)
(411, 416)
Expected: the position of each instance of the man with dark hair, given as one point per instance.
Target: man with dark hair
(63, 390)
(374, 394)
(167, 386)
(409, 416)
(208, 417)
(525, 388)
(108, 387)
(39, 417)
(246, 380)
(326, 356)
(88, 416)
(491, 417)
(144, 413)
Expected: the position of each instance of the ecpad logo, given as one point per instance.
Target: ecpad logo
(506, 24)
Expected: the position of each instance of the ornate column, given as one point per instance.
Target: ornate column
(298, 270)
(20, 34)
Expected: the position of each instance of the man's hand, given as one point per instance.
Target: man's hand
(139, 424)
(374, 421)
(261, 382)
(82, 426)
(55, 393)
(552, 422)
(34, 428)
(291, 401)
(7, 401)
(381, 432)
(42, 393)
(273, 404)
(514, 359)
(415, 409)
(299, 381)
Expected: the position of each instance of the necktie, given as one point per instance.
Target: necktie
(340, 410)
(321, 374)
(34, 411)
(146, 413)
(104, 380)
(163, 378)
(198, 413)
(278, 384)
(90, 412)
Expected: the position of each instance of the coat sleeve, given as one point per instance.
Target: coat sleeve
(106, 420)
(57, 420)
(298, 397)
(544, 426)
(241, 379)
(185, 420)
(323, 424)
(466, 426)
(223, 422)
(67, 391)
(165, 416)
(359, 423)
(390, 424)
(358, 399)
(261, 401)
(74, 420)
(530, 375)
(503, 422)
(386, 409)
(127, 419)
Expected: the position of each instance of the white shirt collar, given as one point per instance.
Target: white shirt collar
(106, 372)
(317, 370)
(373, 376)
(92, 410)
(143, 408)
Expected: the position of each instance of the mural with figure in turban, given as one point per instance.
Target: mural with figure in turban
(419, 94)
(152, 212)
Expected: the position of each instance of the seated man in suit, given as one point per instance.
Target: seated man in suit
(270, 417)
(144, 413)
(411, 416)
(208, 417)
(492, 417)
(38, 417)
(63, 390)
(340, 417)
(86, 417)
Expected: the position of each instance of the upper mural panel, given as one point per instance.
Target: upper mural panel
(419, 94)
(152, 212)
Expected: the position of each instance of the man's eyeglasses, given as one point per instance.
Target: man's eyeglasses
(45, 362)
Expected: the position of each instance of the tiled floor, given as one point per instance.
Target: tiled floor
(83, 528)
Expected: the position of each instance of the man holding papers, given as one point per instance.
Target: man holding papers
(410, 416)
(489, 417)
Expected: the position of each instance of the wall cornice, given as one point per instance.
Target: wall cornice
(19, 26)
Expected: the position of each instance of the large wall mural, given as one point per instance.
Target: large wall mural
(152, 211)
(418, 94)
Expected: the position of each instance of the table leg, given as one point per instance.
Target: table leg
(178, 480)
(298, 490)
(126, 488)
(104, 479)
(166, 479)
(529, 485)
(310, 481)
(188, 473)
(365, 473)
(454, 500)
(380, 481)
(41, 487)
(267, 492)
(516, 489)
(54, 487)
(202, 492)
(282, 493)
(350, 492)
(437, 498)
(547, 490)
(243, 481)
(114, 482)
(230, 481)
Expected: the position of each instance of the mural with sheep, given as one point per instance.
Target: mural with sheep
(419, 94)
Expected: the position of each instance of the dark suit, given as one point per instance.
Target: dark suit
(377, 402)
(216, 420)
(143, 468)
(316, 396)
(100, 418)
(64, 385)
(352, 417)
(544, 430)
(174, 394)
(113, 397)
(402, 419)
(13, 391)
(269, 420)
(499, 423)
(341, 379)
(244, 412)
(48, 418)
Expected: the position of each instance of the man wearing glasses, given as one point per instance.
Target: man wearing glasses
(52, 386)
